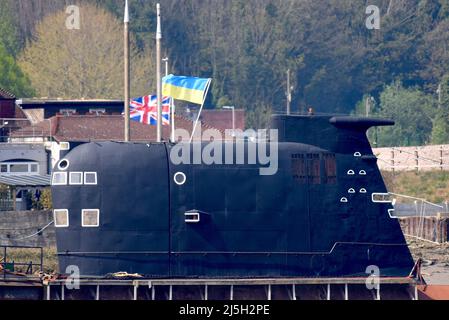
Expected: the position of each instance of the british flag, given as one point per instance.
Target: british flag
(144, 110)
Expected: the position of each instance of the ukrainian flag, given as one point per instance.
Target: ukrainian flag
(185, 88)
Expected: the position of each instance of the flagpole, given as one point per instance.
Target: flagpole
(158, 76)
(127, 73)
(172, 106)
(201, 109)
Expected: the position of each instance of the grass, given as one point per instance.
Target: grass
(432, 186)
(20, 255)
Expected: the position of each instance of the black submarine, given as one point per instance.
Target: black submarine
(126, 207)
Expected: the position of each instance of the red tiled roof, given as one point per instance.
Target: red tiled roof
(6, 95)
(19, 114)
(99, 128)
(222, 119)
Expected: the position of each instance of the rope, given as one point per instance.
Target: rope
(31, 235)
(419, 157)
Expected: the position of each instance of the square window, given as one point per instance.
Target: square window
(67, 112)
(61, 217)
(381, 198)
(90, 218)
(90, 178)
(19, 168)
(76, 178)
(34, 168)
(59, 179)
(4, 168)
(65, 146)
(97, 111)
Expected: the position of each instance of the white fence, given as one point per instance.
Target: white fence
(425, 158)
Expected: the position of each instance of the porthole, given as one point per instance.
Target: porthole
(363, 190)
(351, 190)
(357, 154)
(351, 173)
(362, 173)
(344, 200)
(180, 178)
(63, 164)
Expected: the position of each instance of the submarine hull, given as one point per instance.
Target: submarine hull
(166, 220)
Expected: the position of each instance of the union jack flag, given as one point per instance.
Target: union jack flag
(144, 110)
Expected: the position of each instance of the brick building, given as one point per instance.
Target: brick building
(7, 104)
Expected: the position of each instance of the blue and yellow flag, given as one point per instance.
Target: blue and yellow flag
(185, 88)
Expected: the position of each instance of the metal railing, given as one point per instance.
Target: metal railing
(6, 204)
(12, 130)
(10, 266)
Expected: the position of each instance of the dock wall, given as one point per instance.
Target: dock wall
(21, 228)
(434, 229)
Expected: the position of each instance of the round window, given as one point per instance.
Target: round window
(180, 178)
(63, 164)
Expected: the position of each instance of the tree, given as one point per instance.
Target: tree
(413, 112)
(85, 63)
(12, 77)
(440, 131)
(246, 46)
(9, 34)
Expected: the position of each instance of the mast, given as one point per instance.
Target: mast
(127, 74)
(158, 76)
(289, 94)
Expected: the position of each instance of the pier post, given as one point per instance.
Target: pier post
(392, 160)
(136, 286)
(346, 292)
(417, 160)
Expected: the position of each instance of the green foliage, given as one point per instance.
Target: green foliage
(440, 130)
(45, 201)
(9, 34)
(12, 78)
(412, 111)
(247, 46)
(223, 101)
(259, 117)
(85, 63)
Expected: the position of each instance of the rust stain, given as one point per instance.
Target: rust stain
(433, 292)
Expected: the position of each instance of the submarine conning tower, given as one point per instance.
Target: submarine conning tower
(339, 134)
